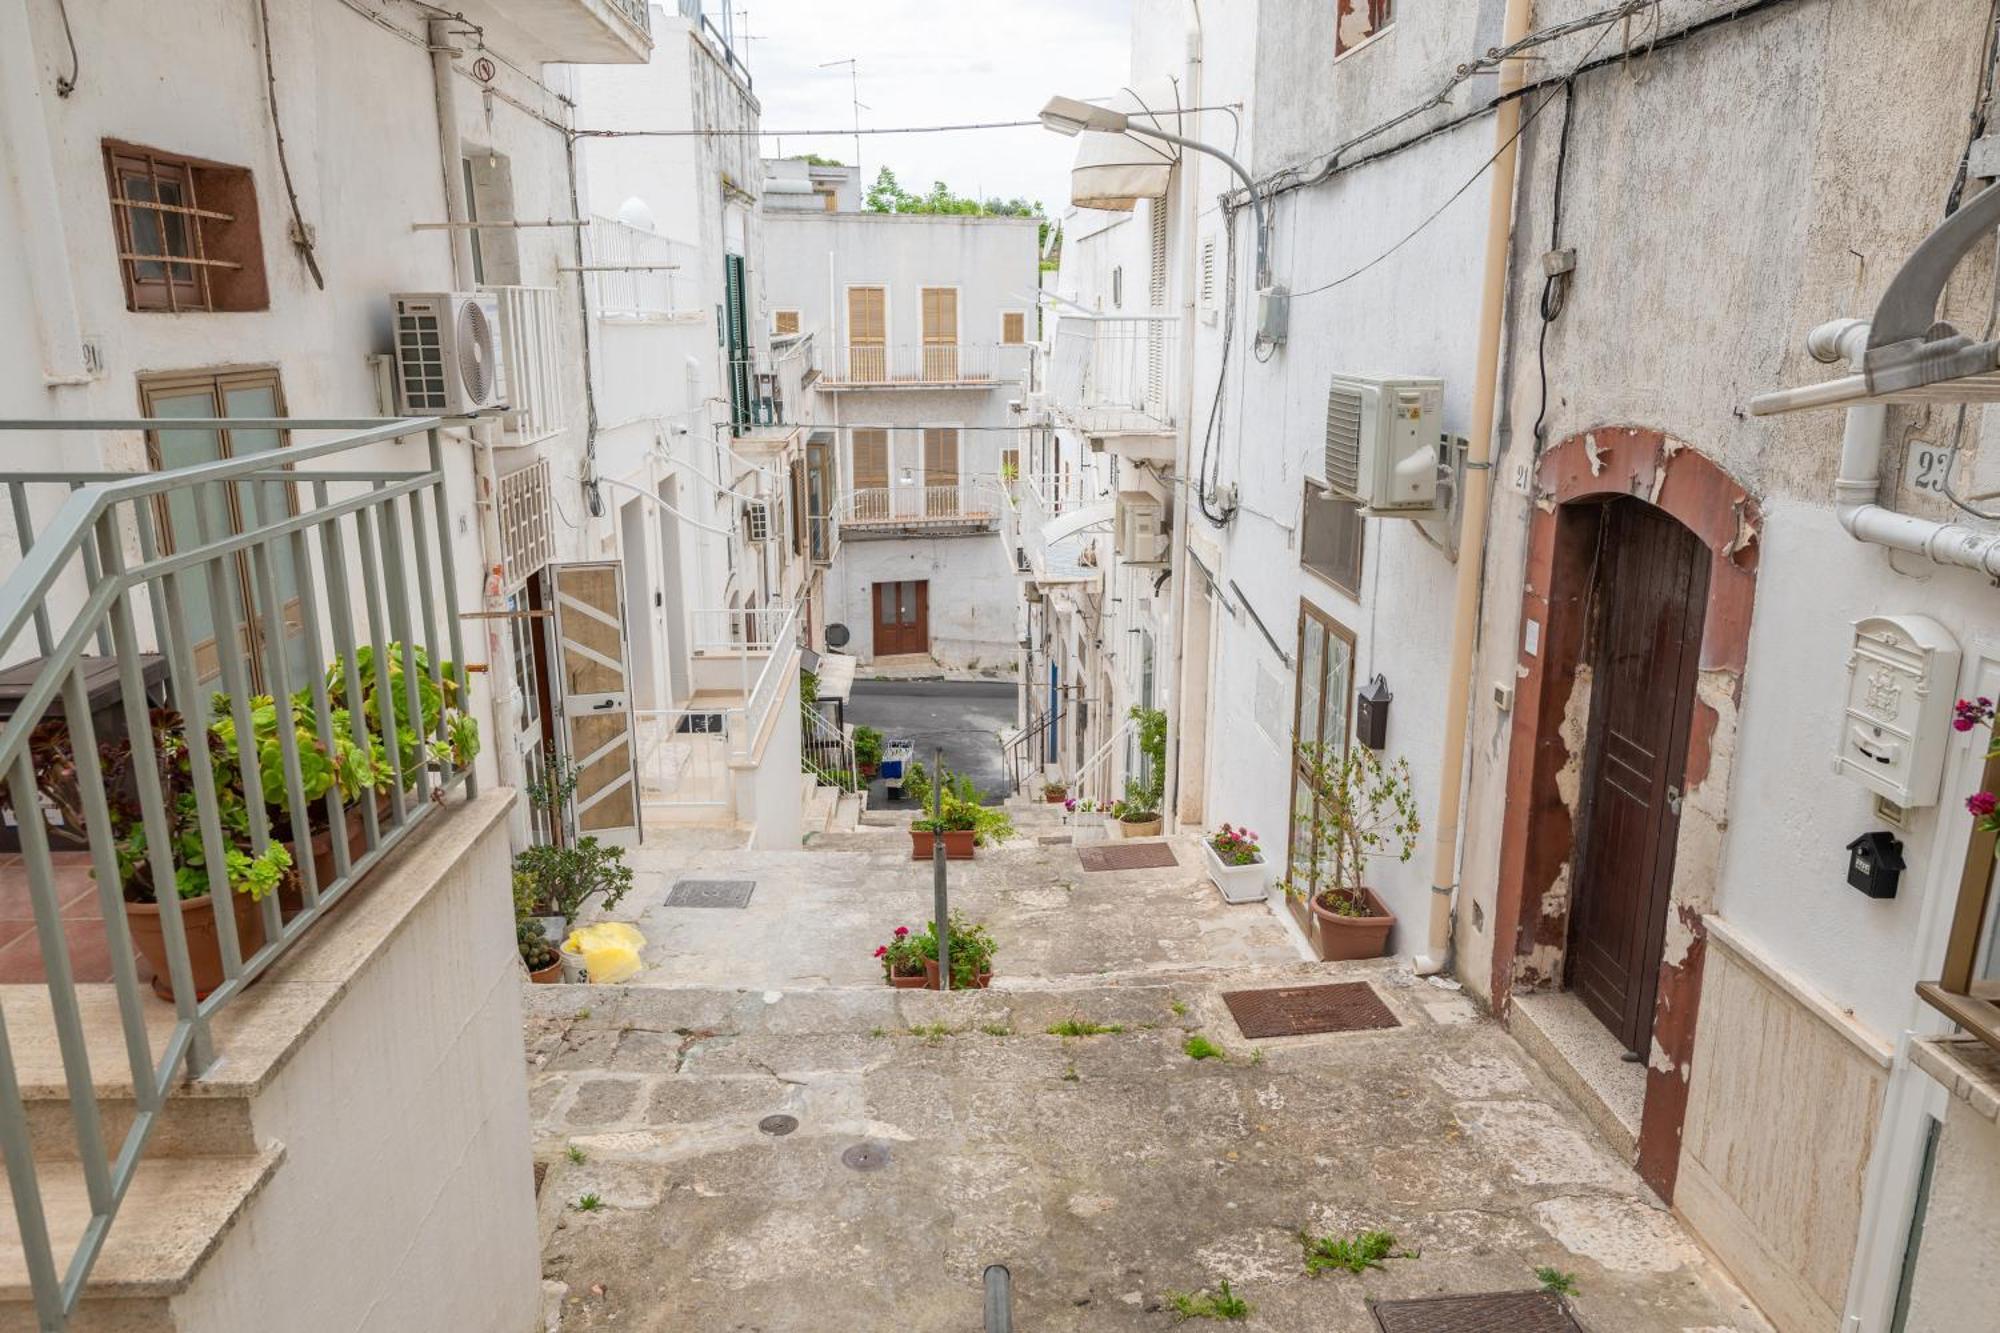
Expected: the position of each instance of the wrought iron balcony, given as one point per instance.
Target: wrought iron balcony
(1116, 374)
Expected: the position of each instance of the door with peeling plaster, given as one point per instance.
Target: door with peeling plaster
(1650, 591)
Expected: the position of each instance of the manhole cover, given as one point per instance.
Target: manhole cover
(711, 893)
(1485, 1312)
(1127, 856)
(1056, 839)
(866, 1156)
(1295, 1011)
(779, 1125)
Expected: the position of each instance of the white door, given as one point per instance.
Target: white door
(596, 696)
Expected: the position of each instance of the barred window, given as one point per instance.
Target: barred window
(186, 230)
(1357, 22)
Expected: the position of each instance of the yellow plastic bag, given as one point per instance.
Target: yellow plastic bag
(610, 950)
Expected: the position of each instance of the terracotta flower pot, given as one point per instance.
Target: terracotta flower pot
(1343, 938)
(1054, 796)
(1142, 828)
(916, 981)
(931, 972)
(550, 975)
(958, 845)
(204, 946)
(291, 895)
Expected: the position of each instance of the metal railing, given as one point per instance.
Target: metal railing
(876, 365)
(310, 609)
(1112, 374)
(638, 12)
(722, 39)
(683, 755)
(637, 274)
(1039, 499)
(966, 501)
(1022, 752)
(531, 356)
(827, 752)
(734, 630)
(1095, 778)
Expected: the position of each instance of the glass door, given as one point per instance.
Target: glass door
(1319, 725)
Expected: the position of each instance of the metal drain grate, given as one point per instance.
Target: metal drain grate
(778, 1125)
(1127, 856)
(1296, 1011)
(1485, 1312)
(1056, 839)
(866, 1156)
(711, 893)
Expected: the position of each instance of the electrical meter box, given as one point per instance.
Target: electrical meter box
(1902, 678)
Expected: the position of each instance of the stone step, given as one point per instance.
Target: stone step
(848, 817)
(821, 806)
(167, 1224)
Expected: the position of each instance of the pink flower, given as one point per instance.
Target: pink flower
(1070, 805)
(881, 949)
(1982, 803)
(902, 931)
(1961, 723)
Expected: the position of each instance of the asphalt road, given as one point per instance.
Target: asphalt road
(964, 716)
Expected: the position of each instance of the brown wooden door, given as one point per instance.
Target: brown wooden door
(1651, 589)
(902, 617)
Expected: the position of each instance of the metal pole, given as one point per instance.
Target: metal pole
(999, 1299)
(940, 896)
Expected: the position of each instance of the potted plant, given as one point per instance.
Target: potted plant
(539, 956)
(902, 960)
(964, 823)
(1055, 793)
(868, 752)
(1367, 809)
(1139, 813)
(972, 951)
(1236, 864)
(558, 881)
(957, 826)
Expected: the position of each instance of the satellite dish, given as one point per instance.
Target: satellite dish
(836, 635)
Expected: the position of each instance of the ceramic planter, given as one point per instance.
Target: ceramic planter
(918, 981)
(1055, 795)
(1237, 884)
(958, 845)
(550, 975)
(1142, 828)
(931, 972)
(203, 945)
(1342, 938)
(291, 895)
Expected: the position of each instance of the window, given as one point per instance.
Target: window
(1357, 22)
(488, 178)
(819, 497)
(785, 323)
(1330, 539)
(867, 334)
(1325, 680)
(940, 312)
(736, 304)
(1013, 327)
(190, 517)
(1010, 464)
(186, 231)
(1968, 988)
(798, 499)
(870, 464)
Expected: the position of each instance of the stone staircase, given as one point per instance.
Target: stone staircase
(828, 809)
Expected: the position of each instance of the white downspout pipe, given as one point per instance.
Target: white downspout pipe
(1857, 493)
(1177, 601)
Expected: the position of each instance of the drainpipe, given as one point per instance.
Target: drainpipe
(1183, 448)
(439, 33)
(1478, 491)
(1857, 494)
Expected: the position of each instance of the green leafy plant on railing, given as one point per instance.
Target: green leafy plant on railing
(449, 735)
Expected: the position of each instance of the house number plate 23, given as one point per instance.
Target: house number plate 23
(1927, 467)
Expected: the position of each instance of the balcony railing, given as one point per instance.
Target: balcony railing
(532, 355)
(1116, 374)
(1034, 502)
(313, 609)
(641, 275)
(968, 501)
(733, 630)
(926, 365)
(719, 33)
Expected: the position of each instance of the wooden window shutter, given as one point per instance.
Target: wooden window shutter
(871, 458)
(940, 456)
(940, 315)
(1013, 328)
(785, 322)
(866, 324)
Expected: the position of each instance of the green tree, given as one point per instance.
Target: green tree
(887, 195)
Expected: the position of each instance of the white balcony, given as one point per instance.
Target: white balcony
(960, 506)
(585, 32)
(532, 355)
(1046, 511)
(926, 366)
(1116, 374)
(639, 276)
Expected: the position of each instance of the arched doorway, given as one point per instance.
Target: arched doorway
(1635, 622)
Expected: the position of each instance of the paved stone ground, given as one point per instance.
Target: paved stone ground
(1107, 1171)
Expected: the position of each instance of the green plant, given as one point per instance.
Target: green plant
(867, 748)
(575, 1154)
(561, 879)
(1222, 1303)
(1555, 1280)
(1198, 1047)
(550, 788)
(996, 1029)
(1010, 470)
(972, 950)
(1055, 791)
(1069, 1075)
(902, 956)
(1179, 1007)
(1369, 809)
(1257, 1056)
(589, 1203)
(933, 1033)
(1080, 1027)
(1350, 1254)
(536, 951)
(1235, 847)
(437, 730)
(1144, 792)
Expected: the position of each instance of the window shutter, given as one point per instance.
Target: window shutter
(871, 458)
(940, 455)
(785, 323)
(1013, 328)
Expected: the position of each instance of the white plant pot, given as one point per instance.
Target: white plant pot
(1237, 884)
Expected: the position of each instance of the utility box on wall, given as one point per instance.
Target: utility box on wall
(1902, 677)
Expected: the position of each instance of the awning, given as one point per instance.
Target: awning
(836, 677)
(1115, 171)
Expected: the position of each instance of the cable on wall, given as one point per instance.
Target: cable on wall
(66, 83)
(301, 232)
(1555, 285)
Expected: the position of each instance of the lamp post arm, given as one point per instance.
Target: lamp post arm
(1256, 202)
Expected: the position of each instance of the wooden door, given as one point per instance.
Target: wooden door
(902, 617)
(1651, 591)
(596, 695)
(940, 311)
(867, 334)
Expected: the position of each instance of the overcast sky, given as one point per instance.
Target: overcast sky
(926, 62)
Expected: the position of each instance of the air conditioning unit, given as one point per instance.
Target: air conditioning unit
(1142, 529)
(757, 520)
(448, 360)
(1382, 443)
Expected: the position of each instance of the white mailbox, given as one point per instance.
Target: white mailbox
(1902, 674)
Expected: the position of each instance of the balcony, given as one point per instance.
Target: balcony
(531, 357)
(926, 366)
(585, 32)
(1054, 525)
(741, 662)
(639, 276)
(1116, 375)
(965, 506)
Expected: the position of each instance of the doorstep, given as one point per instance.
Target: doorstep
(1580, 1053)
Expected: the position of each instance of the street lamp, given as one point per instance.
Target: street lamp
(1071, 116)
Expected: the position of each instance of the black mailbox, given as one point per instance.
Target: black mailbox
(1875, 863)
(1371, 714)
